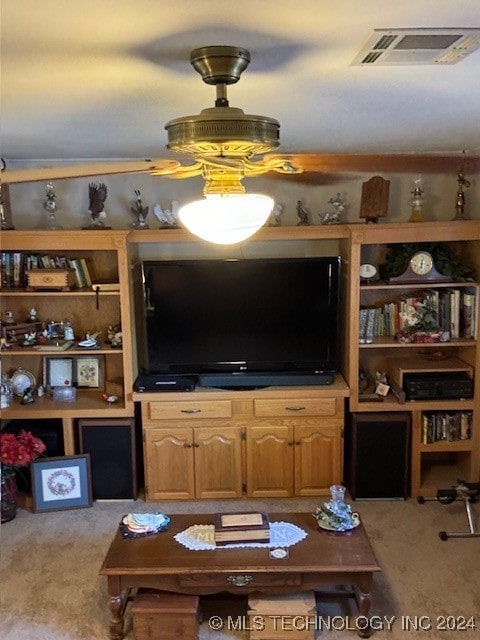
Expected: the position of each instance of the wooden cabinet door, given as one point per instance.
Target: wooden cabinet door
(218, 462)
(270, 461)
(318, 458)
(169, 468)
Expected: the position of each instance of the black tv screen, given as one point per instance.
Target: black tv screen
(249, 315)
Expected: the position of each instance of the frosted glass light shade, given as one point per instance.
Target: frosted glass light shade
(226, 219)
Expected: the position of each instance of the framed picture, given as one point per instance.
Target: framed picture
(58, 372)
(61, 483)
(89, 372)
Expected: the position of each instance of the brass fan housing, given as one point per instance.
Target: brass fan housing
(222, 130)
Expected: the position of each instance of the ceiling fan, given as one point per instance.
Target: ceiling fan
(228, 145)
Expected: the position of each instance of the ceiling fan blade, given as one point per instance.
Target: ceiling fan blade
(310, 178)
(394, 163)
(35, 174)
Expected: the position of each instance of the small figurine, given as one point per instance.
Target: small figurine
(50, 207)
(97, 194)
(140, 212)
(334, 217)
(32, 315)
(168, 218)
(110, 399)
(27, 397)
(29, 339)
(90, 340)
(276, 213)
(8, 317)
(114, 336)
(303, 214)
(463, 184)
(68, 333)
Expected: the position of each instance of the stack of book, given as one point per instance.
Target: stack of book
(232, 528)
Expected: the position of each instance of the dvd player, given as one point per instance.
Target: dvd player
(438, 385)
(148, 382)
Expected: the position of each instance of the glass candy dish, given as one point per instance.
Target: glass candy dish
(336, 515)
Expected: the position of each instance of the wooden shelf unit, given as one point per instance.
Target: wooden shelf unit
(368, 244)
(356, 243)
(107, 255)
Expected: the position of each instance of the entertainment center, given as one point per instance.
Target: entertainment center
(211, 436)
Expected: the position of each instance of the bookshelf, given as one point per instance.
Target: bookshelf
(437, 464)
(106, 254)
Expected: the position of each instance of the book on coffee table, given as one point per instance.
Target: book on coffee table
(252, 526)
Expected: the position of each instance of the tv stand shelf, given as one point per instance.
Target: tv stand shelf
(215, 444)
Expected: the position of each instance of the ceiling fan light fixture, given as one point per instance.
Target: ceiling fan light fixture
(226, 218)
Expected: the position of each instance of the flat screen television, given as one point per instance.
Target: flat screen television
(243, 323)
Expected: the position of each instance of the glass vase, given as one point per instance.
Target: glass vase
(9, 499)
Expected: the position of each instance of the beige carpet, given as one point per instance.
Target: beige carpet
(50, 588)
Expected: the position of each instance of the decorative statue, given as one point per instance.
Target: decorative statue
(50, 206)
(276, 213)
(140, 212)
(97, 195)
(168, 218)
(303, 214)
(463, 184)
(334, 217)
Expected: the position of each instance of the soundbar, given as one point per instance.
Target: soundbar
(249, 380)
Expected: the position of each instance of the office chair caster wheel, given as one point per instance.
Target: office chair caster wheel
(443, 535)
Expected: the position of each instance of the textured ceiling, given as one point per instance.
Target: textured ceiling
(100, 78)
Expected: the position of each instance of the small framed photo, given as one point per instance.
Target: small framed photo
(89, 372)
(61, 483)
(58, 372)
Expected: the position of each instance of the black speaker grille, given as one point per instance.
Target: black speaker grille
(112, 458)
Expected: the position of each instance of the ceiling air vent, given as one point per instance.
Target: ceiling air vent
(389, 47)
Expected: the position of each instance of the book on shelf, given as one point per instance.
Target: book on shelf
(454, 311)
(252, 526)
(14, 266)
(449, 426)
(80, 274)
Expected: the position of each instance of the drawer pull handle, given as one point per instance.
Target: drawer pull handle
(190, 410)
(295, 408)
(240, 581)
(187, 445)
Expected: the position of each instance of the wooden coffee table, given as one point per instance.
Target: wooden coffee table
(160, 562)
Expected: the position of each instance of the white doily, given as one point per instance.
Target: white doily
(201, 537)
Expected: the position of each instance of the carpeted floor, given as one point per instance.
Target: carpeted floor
(51, 590)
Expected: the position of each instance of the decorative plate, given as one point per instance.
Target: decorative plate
(22, 380)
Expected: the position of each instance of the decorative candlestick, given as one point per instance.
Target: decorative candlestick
(463, 184)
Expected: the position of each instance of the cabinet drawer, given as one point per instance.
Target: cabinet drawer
(295, 407)
(184, 410)
(239, 580)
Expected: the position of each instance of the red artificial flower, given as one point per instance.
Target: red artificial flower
(19, 450)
